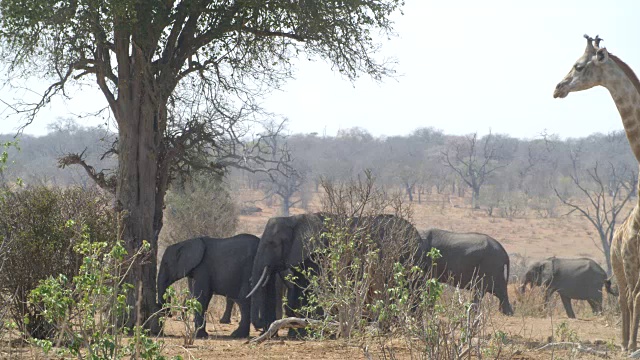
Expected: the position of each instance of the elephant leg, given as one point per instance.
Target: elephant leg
(203, 294)
(566, 301)
(596, 305)
(297, 299)
(226, 317)
(245, 320)
(501, 292)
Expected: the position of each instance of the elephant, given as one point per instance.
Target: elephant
(470, 259)
(228, 308)
(580, 279)
(213, 266)
(285, 244)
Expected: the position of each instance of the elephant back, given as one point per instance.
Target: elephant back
(580, 278)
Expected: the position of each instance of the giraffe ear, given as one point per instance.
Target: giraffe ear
(601, 56)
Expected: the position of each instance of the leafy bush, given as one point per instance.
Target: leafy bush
(38, 242)
(87, 310)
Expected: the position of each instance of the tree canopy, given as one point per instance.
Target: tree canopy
(231, 46)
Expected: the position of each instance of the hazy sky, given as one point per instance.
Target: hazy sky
(463, 66)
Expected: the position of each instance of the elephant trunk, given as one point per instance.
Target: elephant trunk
(162, 286)
(523, 287)
(257, 295)
(165, 279)
(613, 290)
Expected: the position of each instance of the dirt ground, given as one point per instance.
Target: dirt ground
(526, 239)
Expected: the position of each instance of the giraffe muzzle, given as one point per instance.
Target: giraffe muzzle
(561, 90)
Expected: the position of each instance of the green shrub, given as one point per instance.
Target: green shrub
(37, 242)
(86, 310)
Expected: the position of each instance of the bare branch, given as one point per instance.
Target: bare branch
(105, 182)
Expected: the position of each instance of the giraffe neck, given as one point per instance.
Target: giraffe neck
(627, 99)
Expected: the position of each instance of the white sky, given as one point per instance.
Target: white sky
(463, 66)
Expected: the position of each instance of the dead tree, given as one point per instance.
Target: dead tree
(602, 200)
(474, 160)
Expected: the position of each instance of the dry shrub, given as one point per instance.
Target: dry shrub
(39, 227)
(378, 297)
(359, 249)
(531, 303)
(518, 266)
(200, 206)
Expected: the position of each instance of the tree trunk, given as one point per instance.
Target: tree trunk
(475, 197)
(606, 248)
(138, 198)
(286, 204)
(409, 190)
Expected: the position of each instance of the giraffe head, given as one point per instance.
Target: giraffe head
(588, 71)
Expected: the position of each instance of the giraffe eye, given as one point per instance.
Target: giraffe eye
(578, 67)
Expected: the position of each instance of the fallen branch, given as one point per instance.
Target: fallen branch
(576, 346)
(290, 322)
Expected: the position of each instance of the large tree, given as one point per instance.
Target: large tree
(142, 53)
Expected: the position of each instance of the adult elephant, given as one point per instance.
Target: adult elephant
(285, 244)
(580, 279)
(472, 259)
(213, 266)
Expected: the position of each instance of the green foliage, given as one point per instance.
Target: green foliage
(565, 333)
(4, 156)
(38, 241)
(347, 261)
(87, 310)
(184, 306)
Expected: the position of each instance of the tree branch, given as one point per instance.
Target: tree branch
(107, 183)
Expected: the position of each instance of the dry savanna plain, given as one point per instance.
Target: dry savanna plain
(528, 237)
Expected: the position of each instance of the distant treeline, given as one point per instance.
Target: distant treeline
(426, 161)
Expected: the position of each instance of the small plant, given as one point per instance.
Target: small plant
(185, 307)
(565, 333)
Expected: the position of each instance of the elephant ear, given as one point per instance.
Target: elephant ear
(186, 256)
(547, 270)
(303, 227)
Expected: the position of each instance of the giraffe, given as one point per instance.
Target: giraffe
(598, 67)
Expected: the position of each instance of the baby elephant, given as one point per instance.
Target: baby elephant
(579, 279)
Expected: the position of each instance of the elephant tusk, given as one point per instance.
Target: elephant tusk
(264, 283)
(264, 273)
